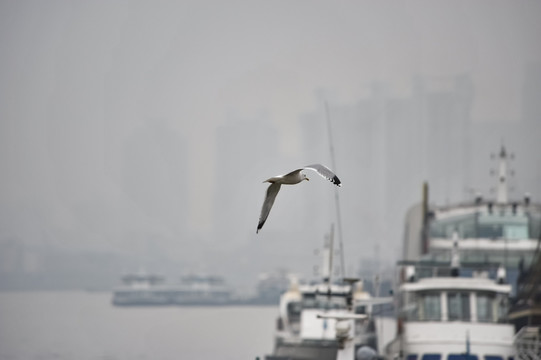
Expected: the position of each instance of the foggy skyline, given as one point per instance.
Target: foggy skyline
(146, 128)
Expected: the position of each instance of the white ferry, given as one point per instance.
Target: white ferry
(499, 231)
(326, 320)
(143, 289)
(451, 317)
(502, 230)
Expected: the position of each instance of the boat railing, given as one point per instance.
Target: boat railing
(528, 343)
(415, 270)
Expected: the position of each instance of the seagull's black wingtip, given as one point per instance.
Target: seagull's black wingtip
(336, 181)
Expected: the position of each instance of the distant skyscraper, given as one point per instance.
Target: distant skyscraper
(154, 165)
(387, 146)
(448, 150)
(246, 150)
(359, 148)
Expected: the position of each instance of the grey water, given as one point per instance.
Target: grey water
(85, 325)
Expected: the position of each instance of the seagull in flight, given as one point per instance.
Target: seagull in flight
(292, 178)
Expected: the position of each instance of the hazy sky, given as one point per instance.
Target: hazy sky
(87, 87)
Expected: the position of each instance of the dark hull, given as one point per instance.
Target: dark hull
(313, 350)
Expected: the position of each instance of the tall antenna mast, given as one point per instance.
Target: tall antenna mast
(328, 254)
(502, 177)
(336, 198)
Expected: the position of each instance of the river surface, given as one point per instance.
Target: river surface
(84, 325)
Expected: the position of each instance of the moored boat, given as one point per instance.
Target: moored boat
(326, 320)
(443, 314)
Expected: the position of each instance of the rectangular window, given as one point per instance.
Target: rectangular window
(458, 306)
(507, 226)
(431, 307)
(485, 307)
(461, 357)
(493, 357)
(464, 226)
(410, 306)
(431, 357)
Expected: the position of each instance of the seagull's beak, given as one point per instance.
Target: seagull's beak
(307, 179)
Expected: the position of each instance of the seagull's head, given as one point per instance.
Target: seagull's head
(304, 177)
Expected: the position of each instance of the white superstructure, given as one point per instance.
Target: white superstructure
(326, 320)
(502, 230)
(448, 317)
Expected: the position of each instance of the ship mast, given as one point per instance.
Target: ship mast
(336, 198)
(502, 177)
(328, 250)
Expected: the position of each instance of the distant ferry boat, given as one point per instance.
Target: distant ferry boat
(150, 290)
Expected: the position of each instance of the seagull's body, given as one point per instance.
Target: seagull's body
(291, 178)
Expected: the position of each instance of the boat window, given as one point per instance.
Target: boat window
(431, 307)
(360, 309)
(491, 307)
(496, 225)
(493, 357)
(422, 306)
(431, 357)
(309, 301)
(458, 306)
(461, 357)
(506, 226)
(410, 306)
(464, 225)
(294, 311)
(535, 225)
(502, 304)
(485, 307)
(411, 357)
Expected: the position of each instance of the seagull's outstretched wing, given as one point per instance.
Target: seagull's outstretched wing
(293, 174)
(272, 191)
(325, 172)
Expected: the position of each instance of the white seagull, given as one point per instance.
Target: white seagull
(292, 178)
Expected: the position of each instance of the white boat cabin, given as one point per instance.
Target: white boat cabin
(453, 318)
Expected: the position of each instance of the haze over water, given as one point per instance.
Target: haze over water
(136, 134)
(72, 325)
